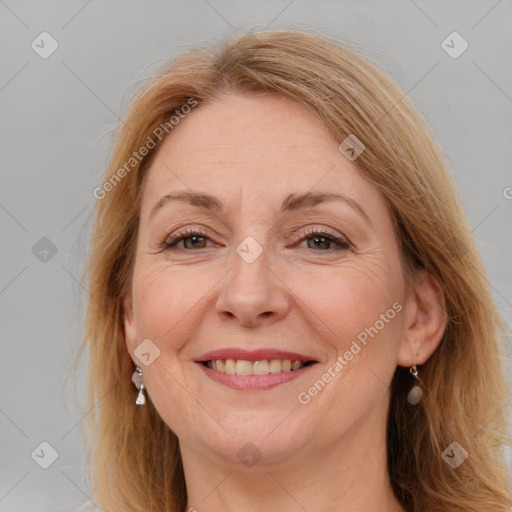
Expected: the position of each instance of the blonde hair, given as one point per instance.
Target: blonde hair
(136, 462)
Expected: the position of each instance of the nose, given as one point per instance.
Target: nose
(253, 293)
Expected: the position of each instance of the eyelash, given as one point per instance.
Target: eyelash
(171, 241)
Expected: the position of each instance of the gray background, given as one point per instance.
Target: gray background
(58, 114)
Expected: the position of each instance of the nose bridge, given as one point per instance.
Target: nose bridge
(252, 291)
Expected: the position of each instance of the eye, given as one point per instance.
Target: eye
(323, 240)
(195, 239)
(192, 238)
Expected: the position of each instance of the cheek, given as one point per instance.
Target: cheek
(362, 321)
(367, 324)
(345, 300)
(167, 306)
(166, 301)
(370, 323)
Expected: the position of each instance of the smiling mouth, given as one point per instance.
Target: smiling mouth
(261, 367)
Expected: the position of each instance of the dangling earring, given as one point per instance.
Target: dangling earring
(138, 380)
(416, 392)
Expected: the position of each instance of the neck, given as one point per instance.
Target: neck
(349, 475)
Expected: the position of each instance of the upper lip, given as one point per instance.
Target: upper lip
(252, 355)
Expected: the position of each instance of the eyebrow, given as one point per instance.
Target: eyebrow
(293, 202)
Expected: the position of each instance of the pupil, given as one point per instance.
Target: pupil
(324, 240)
(193, 240)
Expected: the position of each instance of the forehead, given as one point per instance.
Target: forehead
(259, 146)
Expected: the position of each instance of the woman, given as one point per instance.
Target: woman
(287, 309)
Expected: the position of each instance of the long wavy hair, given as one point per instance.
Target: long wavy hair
(134, 457)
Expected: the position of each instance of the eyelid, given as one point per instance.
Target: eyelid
(317, 229)
(295, 232)
(183, 231)
(187, 232)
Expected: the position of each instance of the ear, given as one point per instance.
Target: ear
(130, 331)
(425, 320)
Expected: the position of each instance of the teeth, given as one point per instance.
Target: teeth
(275, 366)
(229, 367)
(263, 367)
(243, 367)
(260, 368)
(296, 365)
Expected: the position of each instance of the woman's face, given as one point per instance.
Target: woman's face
(272, 268)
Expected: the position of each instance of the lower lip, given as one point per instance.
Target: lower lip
(247, 382)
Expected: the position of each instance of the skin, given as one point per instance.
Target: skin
(251, 152)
